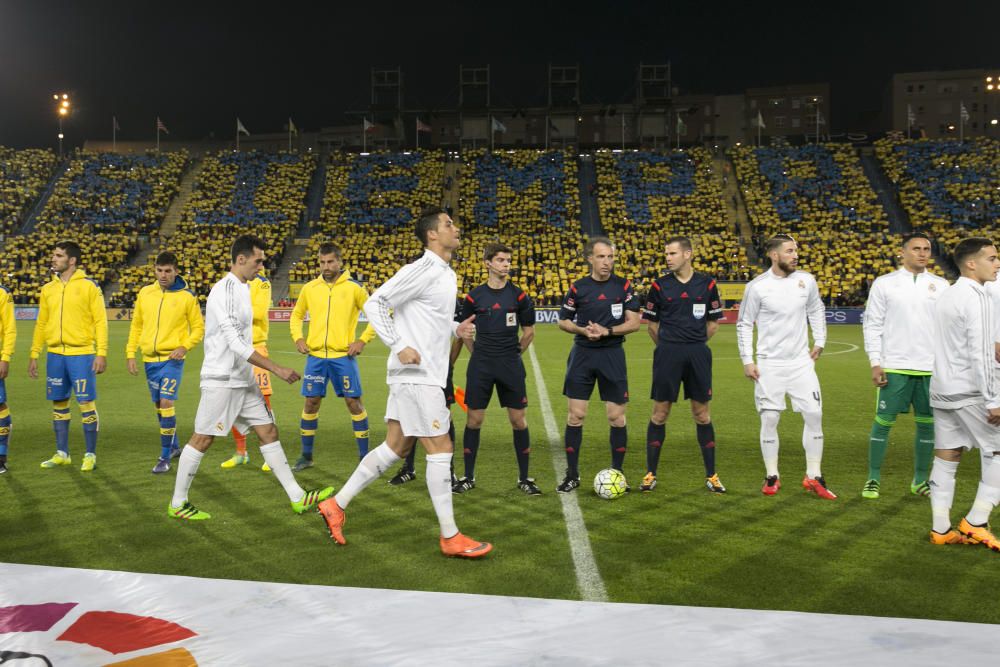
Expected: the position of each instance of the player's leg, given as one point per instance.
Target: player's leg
(347, 383)
(84, 383)
(698, 389)
(950, 440)
(769, 399)
(656, 432)
(187, 467)
(612, 383)
(168, 386)
(923, 439)
(57, 390)
(890, 400)
(804, 391)
(5, 424)
(480, 378)
(975, 526)
(308, 424)
(407, 472)
(577, 388)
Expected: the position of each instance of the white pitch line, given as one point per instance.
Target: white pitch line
(851, 347)
(588, 577)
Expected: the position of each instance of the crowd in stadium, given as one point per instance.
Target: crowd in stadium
(23, 176)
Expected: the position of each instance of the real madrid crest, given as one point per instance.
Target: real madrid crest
(802, 284)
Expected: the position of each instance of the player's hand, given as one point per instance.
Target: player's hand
(289, 375)
(993, 416)
(33, 369)
(595, 331)
(177, 354)
(466, 330)
(4, 369)
(355, 348)
(878, 377)
(996, 351)
(408, 356)
(100, 364)
(301, 346)
(751, 371)
(133, 368)
(815, 352)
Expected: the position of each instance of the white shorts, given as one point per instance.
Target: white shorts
(222, 408)
(965, 428)
(798, 382)
(420, 409)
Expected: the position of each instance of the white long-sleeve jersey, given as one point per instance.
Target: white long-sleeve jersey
(780, 308)
(963, 348)
(228, 335)
(421, 298)
(899, 320)
(993, 289)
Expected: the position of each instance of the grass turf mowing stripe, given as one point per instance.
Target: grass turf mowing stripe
(588, 577)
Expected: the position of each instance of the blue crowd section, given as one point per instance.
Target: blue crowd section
(943, 168)
(371, 177)
(823, 185)
(251, 171)
(546, 173)
(644, 175)
(110, 189)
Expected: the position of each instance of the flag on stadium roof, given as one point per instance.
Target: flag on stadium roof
(820, 120)
(760, 120)
(964, 112)
(422, 127)
(681, 127)
(114, 124)
(291, 126)
(910, 116)
(367, 125)
(241, 128)
(498, 126)
(552, 127)
(160, 127)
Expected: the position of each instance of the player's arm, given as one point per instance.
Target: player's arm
(134, 336)
(749, 309)
(225, 309)
(526, 318)
(633, 321)
(456, 349)
(651, 313)
(196, 329)
(9, 328)
(100, 317)
(711, 327)
(872, 326)
(467, 309)
(979, 343)
(817, 320)
(527, 335)
(368, 335)
(406, 284)
(297, 319)
(714, 315)
(38, 336)
(567, 314)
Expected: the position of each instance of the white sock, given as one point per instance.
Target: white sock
(439, 487)
(942, 482)
(812, 442)
(376, 462)
(187, 467)
(988, 495)
(274, 455)
(769, 440)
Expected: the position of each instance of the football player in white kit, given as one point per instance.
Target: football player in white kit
(229, 393)
(780, 301)
(414, 315)
(965, 395)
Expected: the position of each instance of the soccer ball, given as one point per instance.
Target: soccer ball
(610, 484)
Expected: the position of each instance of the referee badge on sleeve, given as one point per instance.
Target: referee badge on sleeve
(698, 310)
(616, 310)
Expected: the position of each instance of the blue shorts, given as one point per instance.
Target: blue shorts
(341, 372)
(164, 379)
(3, 391)
(65, 373)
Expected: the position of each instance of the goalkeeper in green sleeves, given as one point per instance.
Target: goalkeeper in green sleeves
(898, 329)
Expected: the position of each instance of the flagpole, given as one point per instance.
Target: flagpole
(289, 134)
(157, 135)
(237, 135)
(817, 123)
(758, 129)
(416, 132)
(547, 121)
(623, 130)
(492, 133)
(961, 121)
(114, 134)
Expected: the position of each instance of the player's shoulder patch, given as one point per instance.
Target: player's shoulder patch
(356, 282)
(95, 284)
(4, 288)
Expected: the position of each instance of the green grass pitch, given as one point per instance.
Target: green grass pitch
(677, 545)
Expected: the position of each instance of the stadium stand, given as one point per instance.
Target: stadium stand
(949, 188)
(646, 197)
(114, 197)
(23, 176)
(819, 195)
(236, 193)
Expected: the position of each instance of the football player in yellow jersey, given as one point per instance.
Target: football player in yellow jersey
(166, 324)
(8, 336)
(260, 297)
(73, 325)
(333, 302)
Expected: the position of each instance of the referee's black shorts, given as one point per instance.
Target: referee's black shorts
(603, 365)
(689, 364)
(506, 373)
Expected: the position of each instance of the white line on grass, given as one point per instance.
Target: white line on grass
(588, 577)
(851, 347)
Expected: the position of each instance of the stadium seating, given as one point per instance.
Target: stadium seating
(103, 202)
(819, 195)
(23, 175)
(236, 193)
(949, 188)
(646, 197)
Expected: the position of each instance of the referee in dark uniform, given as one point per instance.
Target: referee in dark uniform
(501, 309)
(600, 310)
(683, 310)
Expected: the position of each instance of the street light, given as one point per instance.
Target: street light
(62, 110)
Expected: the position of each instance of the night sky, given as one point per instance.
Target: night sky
(197, 65)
